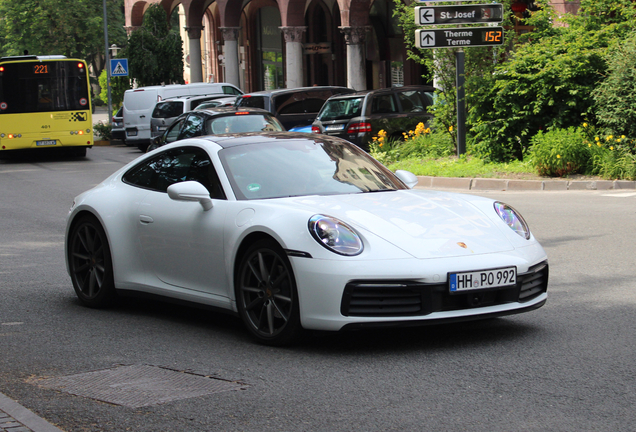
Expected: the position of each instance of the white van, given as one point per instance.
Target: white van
(140, 102)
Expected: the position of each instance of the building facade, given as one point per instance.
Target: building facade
(268, 44)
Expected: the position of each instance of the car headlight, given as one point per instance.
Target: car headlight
(335, 235)
(513, 219)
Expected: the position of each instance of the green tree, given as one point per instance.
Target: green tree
(154, 51)
(49, 27)
(615, 97)
(548, 80)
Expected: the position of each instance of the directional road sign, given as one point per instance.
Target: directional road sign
(463, 14)
(459, 37)
(118, 67)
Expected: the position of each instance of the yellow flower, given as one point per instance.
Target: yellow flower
(623, 136)
(381, 144)
(374, 138)
(450, 129)
(558, 156)
(589, 145)
(598, 144)
(596, 138)
(618, 140)
(584, 124)
(609, 137)
(611, 147)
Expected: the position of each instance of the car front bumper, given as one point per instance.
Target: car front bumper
(338, 294)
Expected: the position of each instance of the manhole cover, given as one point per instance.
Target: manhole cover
(139, 385)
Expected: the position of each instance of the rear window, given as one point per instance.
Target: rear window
(414, 101)
(244, 123)
(340, 109)
(252, 102)
(168, 109)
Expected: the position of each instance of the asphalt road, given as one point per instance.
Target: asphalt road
(567, 366)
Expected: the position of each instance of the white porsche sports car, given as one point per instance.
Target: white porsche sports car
(298, 232)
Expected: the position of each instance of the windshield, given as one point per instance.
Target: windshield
(303, 167)
(340, 109)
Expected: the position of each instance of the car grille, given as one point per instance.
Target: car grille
(410, 298)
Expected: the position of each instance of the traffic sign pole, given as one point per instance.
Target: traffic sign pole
(461, 102)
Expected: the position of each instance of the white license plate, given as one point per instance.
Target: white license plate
(335, 127)
(45, 143)
(482, 279)
(131, 132)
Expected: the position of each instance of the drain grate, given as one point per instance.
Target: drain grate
(139, 385)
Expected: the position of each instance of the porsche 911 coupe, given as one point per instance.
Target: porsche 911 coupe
(295, 232)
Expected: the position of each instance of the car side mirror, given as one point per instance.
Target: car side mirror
(190, 191)
(407, 177)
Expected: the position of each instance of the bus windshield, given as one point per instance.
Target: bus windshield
(43, 86)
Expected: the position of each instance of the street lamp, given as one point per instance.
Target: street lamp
(113, 50)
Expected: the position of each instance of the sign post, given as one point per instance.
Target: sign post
(462, 37)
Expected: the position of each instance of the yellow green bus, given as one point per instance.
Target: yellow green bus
(45, 103)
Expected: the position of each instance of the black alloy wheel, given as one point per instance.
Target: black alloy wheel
(90, 263)
(266, 295)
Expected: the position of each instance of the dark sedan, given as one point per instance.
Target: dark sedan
(214, 121)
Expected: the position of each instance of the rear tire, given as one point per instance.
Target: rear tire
(266, 295)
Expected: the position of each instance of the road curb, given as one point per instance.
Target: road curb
(483, 184)
(25, 418)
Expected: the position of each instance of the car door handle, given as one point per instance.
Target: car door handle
(142, 116)
(145, 219)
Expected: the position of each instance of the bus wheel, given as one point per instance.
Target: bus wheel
(79, 152)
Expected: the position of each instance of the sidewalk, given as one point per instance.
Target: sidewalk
(484, 184)
(15, 418)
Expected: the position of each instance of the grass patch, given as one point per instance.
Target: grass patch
(470, 167)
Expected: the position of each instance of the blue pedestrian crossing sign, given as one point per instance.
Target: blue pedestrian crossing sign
(118, 67)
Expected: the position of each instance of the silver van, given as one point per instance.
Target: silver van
(139, 104)
(168, 110)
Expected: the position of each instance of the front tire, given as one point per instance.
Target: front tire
(90, 263)
(266, 295)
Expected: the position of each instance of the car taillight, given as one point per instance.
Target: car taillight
(359, 127)
(315, 129)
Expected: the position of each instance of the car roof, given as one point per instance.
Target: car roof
(385, 90)
(194, 97)
(294, 90)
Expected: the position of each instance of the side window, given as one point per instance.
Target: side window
(230, 90)
(192, 127)
(252, 102)
(383, 104)
(172, 134)
(174, 166)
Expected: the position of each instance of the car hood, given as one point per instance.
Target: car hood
(423, 224)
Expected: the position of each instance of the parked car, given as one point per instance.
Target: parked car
(139, 104)
(117, 130)
(221, 102)
(360, 116)
(293, 107)
(296, 232)
(214, 121)
(166, 111)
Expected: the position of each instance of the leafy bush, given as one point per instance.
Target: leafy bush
(423, 142)
(104, 131)
(560, 152)
(613, 158)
